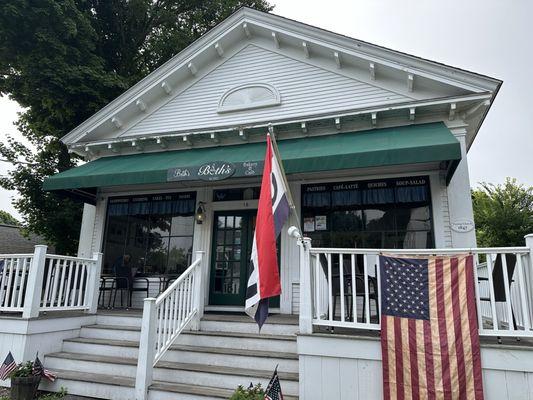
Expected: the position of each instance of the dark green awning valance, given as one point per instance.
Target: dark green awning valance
(411, 144)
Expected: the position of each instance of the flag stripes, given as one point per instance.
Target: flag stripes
(436, 357)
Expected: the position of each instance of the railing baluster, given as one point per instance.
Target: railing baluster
(2, 281)
(367, 296)
(63, 267)
(330, 290)
(477, 292)
(22, 282)
(75, 290)
(48, 284)
(81, 285)
(354, 288)
(341, 282)
(523, 297)
(68, 289)
(510, 322)
(378, 287)
(9, 289)
(55, 282)
(159, 326)
(180, 288)
(490, 266)
(14, 296)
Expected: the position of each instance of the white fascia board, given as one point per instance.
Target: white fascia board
(302, 32)
(418, 104)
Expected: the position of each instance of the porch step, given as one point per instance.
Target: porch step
(247, 358)
(207, 364)
(103, 386)
(253, 341)
(166, 391)
(190, 374)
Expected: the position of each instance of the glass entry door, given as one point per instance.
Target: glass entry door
(233, 234)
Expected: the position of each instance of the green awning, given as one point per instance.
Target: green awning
(411, 144)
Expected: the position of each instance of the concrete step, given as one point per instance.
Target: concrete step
(252, 341)
(183, 373)
(119, 318)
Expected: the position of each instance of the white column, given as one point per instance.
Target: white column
(32, 299)
(145, 364)
(460, 201)
(86, 231)
(306, 310)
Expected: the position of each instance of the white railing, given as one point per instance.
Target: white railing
(14, 269)
(341, 287)
(164, 318)
(31, 283)
(68, 283)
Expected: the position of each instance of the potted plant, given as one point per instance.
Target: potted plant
(24, 383)
(252, 393)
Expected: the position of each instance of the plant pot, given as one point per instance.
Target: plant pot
(24, 388)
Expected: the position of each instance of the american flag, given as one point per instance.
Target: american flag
(8, 366)
(38, 369)
(429, 332)
(273, 391)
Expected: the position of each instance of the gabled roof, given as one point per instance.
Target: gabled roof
(382, 67)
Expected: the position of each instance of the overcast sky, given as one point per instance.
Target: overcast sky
(491, 37)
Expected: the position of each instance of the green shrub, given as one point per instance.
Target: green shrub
(252, 393)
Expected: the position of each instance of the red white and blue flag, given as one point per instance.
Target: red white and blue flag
(272, 213)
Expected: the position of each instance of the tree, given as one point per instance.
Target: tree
(62, 60)
(7, 219)
(503, 213)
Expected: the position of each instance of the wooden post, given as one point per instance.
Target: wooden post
(93, 284)
(145, 364)
(529, 274)
(32, 298)
(198, 293)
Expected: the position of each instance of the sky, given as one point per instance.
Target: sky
(491, 37)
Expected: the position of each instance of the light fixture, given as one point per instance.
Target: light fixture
(200, 213)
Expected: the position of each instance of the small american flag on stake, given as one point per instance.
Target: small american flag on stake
(429, 332)
(38, 369)
(273, 391)
(8, 366)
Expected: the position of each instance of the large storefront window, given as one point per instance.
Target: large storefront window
(392, 213)
(156, 231)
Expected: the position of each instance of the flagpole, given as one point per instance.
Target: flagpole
(284, 175)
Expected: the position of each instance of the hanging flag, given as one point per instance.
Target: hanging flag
(273, 391)
(429, 332)
(272, 213)
(8, 366)
(38, 369)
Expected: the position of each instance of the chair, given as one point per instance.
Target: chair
(124, 281)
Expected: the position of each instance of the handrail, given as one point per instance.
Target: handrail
(473, 250)
(164, 318)
(174, 284)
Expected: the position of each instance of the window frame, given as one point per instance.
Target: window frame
(260, 104)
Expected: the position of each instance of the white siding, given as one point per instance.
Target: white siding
(349, 368)
(304, 89)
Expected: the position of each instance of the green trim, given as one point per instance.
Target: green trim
(373, 148)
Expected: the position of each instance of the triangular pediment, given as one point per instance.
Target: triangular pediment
(311, 73)
(304, 90)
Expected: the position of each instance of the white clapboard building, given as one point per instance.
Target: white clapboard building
(375, 146)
